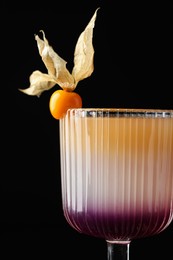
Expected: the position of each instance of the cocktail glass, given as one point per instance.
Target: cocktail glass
(117, 174)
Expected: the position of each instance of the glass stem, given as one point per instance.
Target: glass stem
(118, 251)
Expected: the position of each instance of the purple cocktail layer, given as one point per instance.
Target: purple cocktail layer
(114, 227)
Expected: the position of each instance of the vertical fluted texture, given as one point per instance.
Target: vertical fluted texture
(117, 174)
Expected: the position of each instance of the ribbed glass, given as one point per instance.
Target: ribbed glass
(117, 171)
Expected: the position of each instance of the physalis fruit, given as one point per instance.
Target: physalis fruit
(57, 73)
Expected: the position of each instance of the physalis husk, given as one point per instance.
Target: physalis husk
(57, 73)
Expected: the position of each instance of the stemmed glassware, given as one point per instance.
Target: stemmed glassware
(117, 174)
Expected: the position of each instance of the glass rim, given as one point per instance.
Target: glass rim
(121, 112)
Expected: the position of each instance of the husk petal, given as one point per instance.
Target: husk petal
(84, 52)
(39, 82)
(55, 65)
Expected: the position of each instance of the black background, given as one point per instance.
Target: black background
(133, 45)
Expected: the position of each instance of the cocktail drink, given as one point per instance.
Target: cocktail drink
(116, 164)
(117, 173)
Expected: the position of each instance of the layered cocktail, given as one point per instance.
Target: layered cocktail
(117, 171)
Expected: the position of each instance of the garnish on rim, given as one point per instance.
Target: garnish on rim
(58, 74)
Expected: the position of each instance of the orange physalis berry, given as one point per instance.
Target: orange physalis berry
(61, 100)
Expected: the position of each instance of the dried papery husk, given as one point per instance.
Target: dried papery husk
(57, 72)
